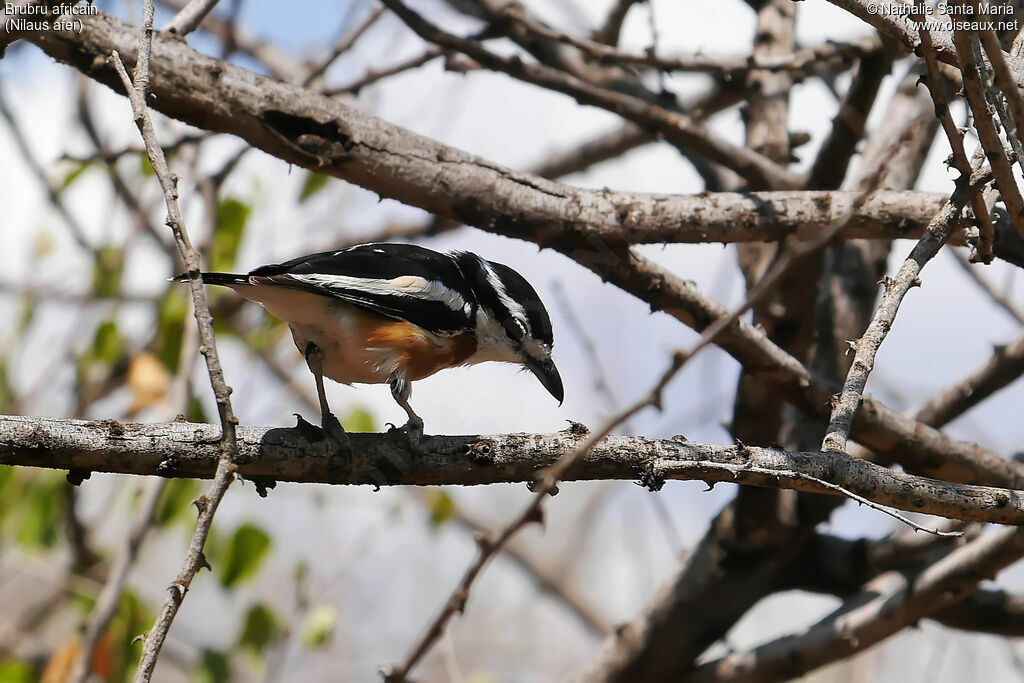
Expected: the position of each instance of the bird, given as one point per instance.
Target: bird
(392, 313)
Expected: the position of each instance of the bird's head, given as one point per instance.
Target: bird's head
(512, 323)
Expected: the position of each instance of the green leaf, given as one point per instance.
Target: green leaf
(358, 420)
(106, 349)
(319, 626)
(232, 216)
(17, 671)
(244, 554)
(259, 629)
(146, 168)
(195, 411)
(442, 507)
(213, 667)
(313, 183)
(6, 475)
(6, 390)
(39, 519)
(107, 345)
(107, 269)
(74, 174)
(176, 501)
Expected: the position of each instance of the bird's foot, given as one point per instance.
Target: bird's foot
(335, 433)
(330, 431)
(413, 433)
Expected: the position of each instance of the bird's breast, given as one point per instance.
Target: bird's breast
(362, 347)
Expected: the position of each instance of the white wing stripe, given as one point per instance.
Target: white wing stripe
(405, 285)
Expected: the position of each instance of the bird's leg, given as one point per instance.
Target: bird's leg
(401, 390)
(330, 424)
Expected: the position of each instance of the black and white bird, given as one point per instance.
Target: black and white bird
(386, 313)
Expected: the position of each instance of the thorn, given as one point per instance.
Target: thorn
(203, 564)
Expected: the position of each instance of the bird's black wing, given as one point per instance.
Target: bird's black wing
(400, 281)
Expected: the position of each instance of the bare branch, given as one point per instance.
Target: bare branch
(343, 45)
(375, 75)
(677, 129)
(1005, 366)
(900, 26)
(936, 87)
(850, 397)
(189, 18)
(887, 604)
(987, 132)
(608, 33)
(225, 474)
(1004, 80)
(184, 449)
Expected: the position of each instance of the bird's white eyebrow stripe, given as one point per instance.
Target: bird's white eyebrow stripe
(404, 285)
(513, 306)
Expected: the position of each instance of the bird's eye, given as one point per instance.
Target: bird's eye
(515, 328)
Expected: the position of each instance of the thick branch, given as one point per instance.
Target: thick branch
(183, 449)
(887, 604)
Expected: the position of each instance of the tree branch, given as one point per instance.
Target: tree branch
(182, 449)
(227, 444)
(896, 289)
(887, 604)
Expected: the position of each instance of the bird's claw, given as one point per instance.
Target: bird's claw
(330, 430)
(335, 433)
(413, 432)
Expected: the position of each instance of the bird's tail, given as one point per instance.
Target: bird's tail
(224, 279)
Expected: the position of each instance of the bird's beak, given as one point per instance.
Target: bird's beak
(547, 373)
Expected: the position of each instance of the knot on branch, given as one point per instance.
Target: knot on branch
(651, 479)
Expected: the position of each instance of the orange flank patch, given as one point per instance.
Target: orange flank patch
(418, 352)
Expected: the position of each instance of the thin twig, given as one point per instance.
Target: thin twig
(849, 399)
(608, 33)
(936, 86)
(678, 129)
(1004, 367)
(108, 156)
(1004, 80)
(343, 45)
(875, 506)
(374, 75)
(189, 18)
(194, 559)
(986, 128)
(727, 68)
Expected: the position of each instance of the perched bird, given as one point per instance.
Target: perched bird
(394, 313)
